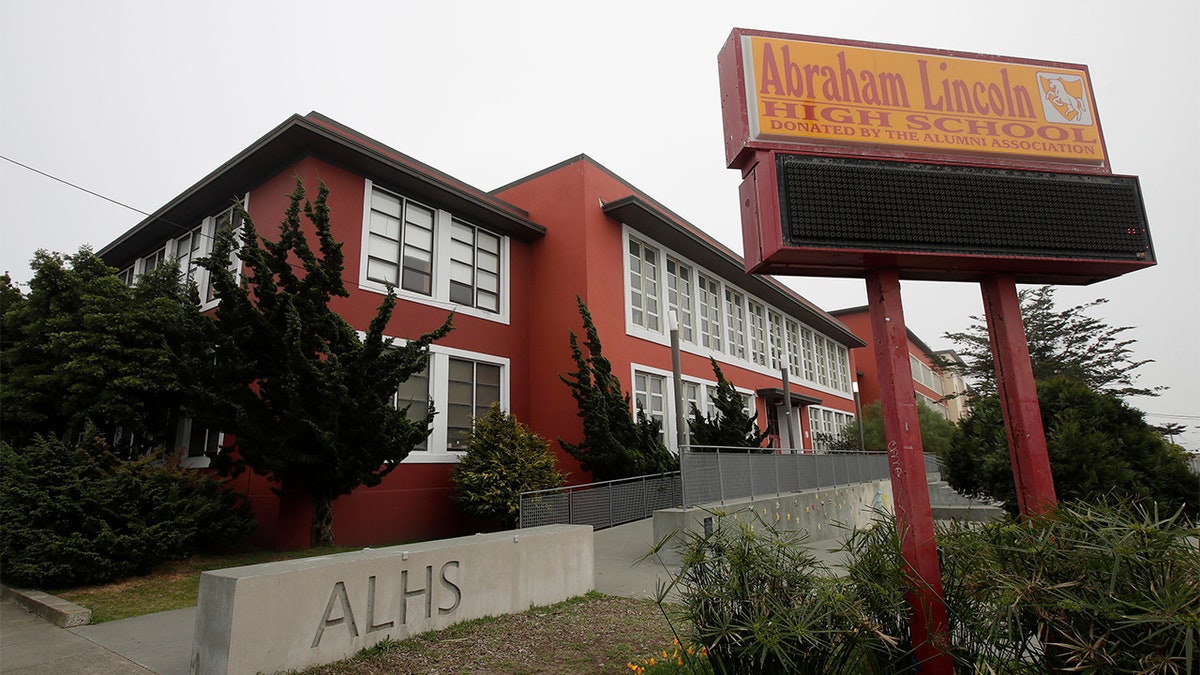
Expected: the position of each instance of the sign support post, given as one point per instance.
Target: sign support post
(1018, 395)
(906, 463)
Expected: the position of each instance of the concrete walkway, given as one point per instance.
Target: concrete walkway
(162, 643)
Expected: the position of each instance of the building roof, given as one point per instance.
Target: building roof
(317, 135)
(646, 215)
(864, 309)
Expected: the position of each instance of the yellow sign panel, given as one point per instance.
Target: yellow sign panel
(815, 92)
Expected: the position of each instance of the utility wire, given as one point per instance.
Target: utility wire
(77, 187)
(177, 226)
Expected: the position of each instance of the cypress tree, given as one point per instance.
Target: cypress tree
(309, 402)
(614, 445)
(731, 426)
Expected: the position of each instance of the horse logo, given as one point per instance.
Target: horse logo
(1064, 98)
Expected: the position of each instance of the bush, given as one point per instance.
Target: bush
(760, 603)
(1097, 445)
(504, 458)
(1099, 588)
(71, 516)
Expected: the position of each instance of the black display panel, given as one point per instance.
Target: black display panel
(870, 205)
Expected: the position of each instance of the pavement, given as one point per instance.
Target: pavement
(162, 643)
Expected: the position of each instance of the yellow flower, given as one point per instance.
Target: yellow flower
(651, 660)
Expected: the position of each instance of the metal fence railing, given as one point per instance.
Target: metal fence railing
(603, 504)
(712, 475)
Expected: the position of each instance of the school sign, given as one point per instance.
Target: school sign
(942, 166)
(815, 92)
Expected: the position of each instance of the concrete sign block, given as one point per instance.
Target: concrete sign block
(298, 613)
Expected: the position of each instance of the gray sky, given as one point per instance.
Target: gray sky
(137, 100)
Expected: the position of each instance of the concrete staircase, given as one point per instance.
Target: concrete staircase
(949, 505)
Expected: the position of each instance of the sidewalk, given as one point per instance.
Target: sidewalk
(162, 643)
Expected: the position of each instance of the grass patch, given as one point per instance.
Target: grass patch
(593, 633)
(171, 585)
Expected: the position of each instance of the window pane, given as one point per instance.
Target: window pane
(461, 293)
(382, 201)
(419, 216)
(388, 226)
(381, 271)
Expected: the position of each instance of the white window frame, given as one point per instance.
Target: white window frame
(704, 389)
(681, 289)
(438, 451)
(183, 441)
(206, 234)
(442, 245)
(709, 324)
(721, 320)
(735, 322)
(642, 277)
(756, 318)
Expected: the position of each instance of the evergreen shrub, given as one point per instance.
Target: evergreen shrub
(504, 458)
(72, 516)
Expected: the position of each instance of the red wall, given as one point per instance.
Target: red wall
(582, 254)
(864, 358)
(415, 501)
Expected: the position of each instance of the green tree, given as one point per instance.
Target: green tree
(937, 432)
(504, 458)
(83, 347)
(309, 402)
(1097, 445)
(731, 426)
(1064, 342)
(73, 515)
(614, 444)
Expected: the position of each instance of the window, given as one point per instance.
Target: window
(229, 219)
(798, 356)
(413, 393)
(152, 261)
(187, 250)
(643, 285)
(808, 355)
(826, 425)
(649, 395)
(679, 297)
(843, 367)
(735, 317)
(196, 442)
(822, 361)
(432, 257)
(474, 267)
(758, 333)
(778, 345)
(397, 226)
(708, 306)
(473, 387)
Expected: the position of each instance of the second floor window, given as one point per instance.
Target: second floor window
(643, 285)
(400, 248)
(474, 267)
(431, 256)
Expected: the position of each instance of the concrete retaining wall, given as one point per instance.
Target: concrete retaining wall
(816, 513)
(294, 614)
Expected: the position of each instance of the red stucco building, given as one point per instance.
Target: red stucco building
(510, 264)
(939, 388)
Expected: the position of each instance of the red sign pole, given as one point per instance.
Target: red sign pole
(1018, 395)
(914, 517)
